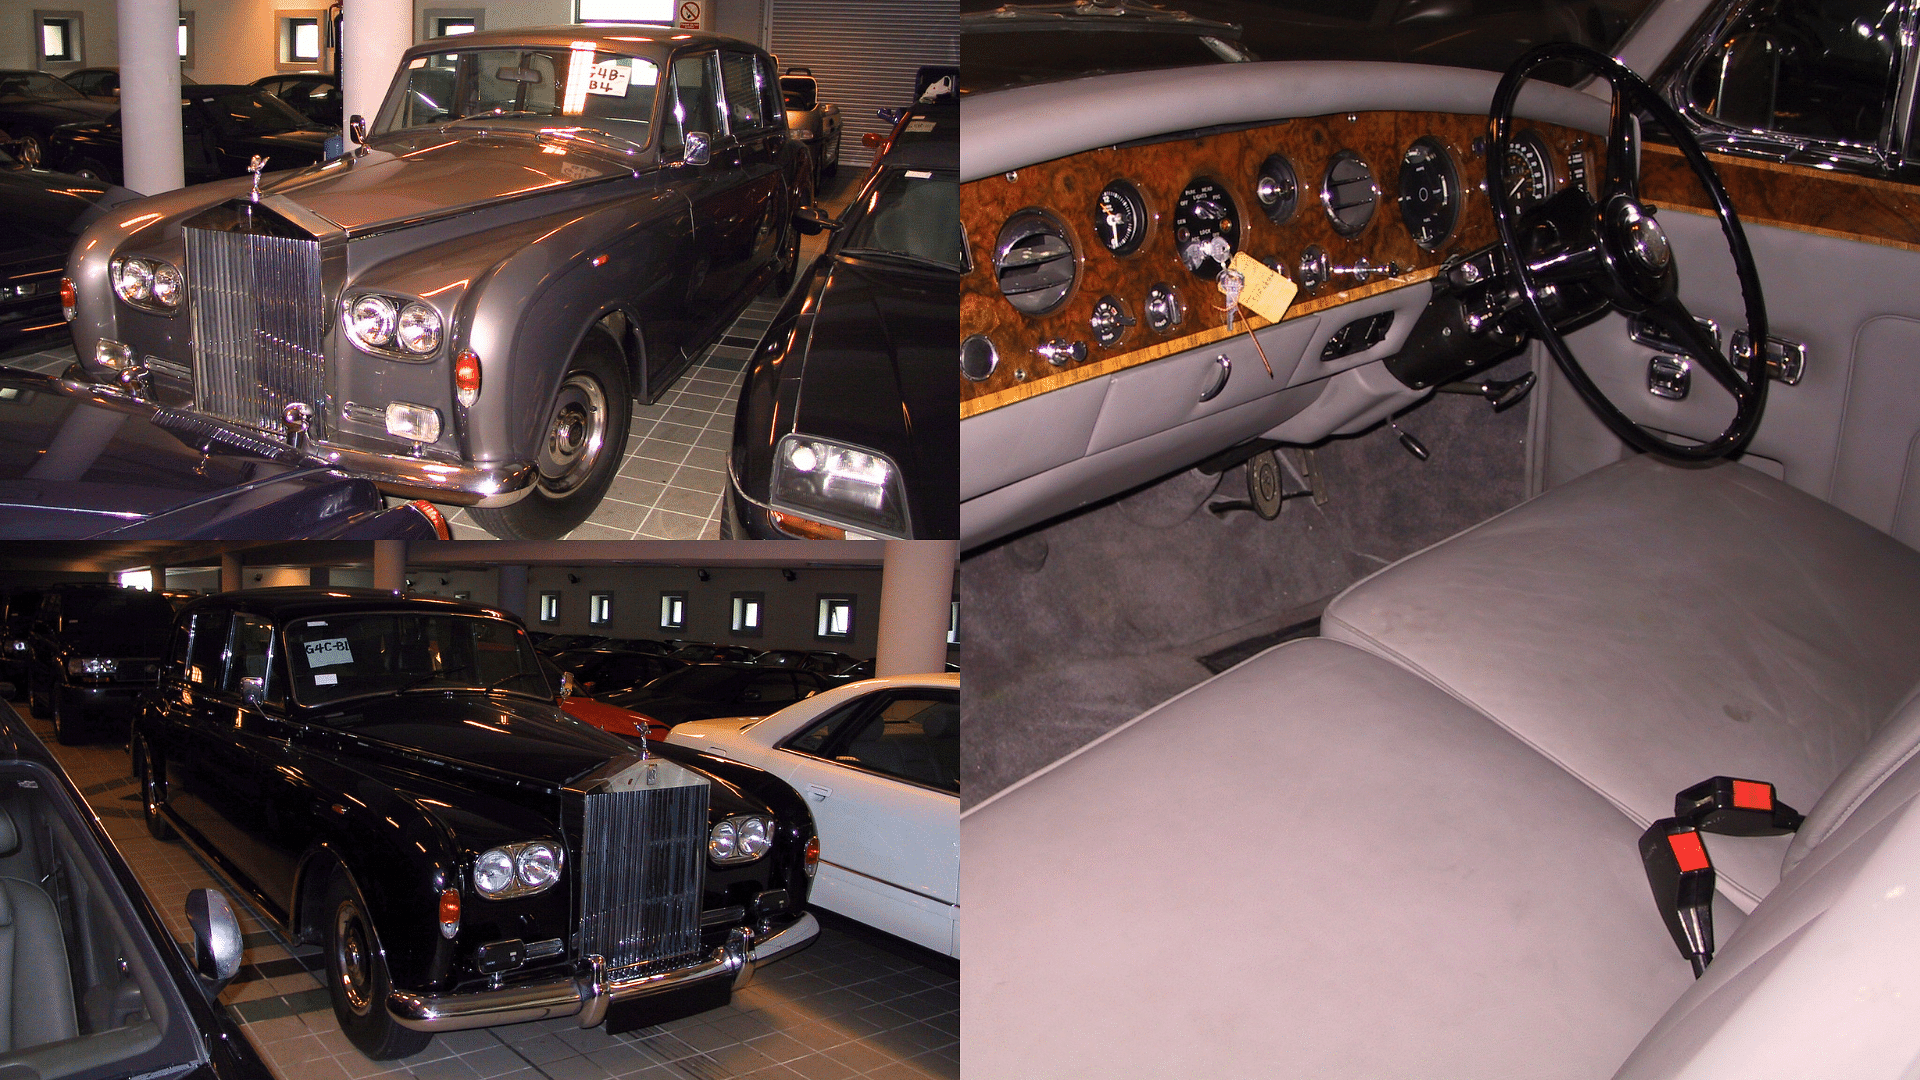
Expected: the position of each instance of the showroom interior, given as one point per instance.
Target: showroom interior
(856, 1001)
(672, 473)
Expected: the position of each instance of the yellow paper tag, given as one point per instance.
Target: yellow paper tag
(1266, 293)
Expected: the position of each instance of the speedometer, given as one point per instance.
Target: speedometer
(1206, 229)
(1429, 192)
(1529, 171)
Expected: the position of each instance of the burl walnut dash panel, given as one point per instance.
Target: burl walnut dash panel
(1070, 188)
(1797, 197)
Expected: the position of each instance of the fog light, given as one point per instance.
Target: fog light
(497, 956)
(113, 354)
(466, 378)
(415, 423)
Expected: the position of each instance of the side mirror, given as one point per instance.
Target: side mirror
(253, 687)
(566, 685)
(216, 937)
(697, 148)
(357, 129)
(891, 114)
(809, 220)
(871, 140)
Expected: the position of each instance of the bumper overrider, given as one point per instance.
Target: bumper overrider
(588, 993)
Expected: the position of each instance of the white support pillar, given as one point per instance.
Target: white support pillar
(152, 156)
(916, 593)
(373, 35)
(390, 565)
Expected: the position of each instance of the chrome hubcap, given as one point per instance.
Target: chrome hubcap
(350, 957)
(576, 435)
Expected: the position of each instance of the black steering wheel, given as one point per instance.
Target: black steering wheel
(1611, 248)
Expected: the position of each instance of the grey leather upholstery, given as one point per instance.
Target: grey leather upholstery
(1647, 626)
(36, 990)
(1314, 865)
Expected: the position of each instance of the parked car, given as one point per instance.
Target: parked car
(641, 645)
(879, 762)
(846, 426)
(46, 213)
(609, 717)
(826, 663)
(103, 83)
(97, 984)
(226, 128)
(605, 670)
(705, 652)
(92, 651)
(17, 607)
(390, 778)
(707, 690)
(33, 104)
(312, 94)
(465, 350)
(814, 122)
(554, 644)
(79, 465)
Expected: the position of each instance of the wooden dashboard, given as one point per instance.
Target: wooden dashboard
(1069, 191)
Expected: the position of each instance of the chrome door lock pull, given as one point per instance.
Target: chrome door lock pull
(1669, 377)
(1786, 360)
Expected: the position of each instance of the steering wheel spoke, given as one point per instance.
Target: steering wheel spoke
(1623, 160)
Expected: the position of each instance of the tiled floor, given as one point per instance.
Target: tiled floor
(839, 1009)
(675, 472)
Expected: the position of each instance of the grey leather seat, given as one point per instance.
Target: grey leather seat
(1648, 626)
(36, 989)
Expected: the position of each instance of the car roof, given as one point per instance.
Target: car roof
(293, 602)
(605, 37)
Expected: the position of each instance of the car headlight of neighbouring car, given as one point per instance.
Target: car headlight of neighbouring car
(93, 667)
(844, 485)
(393, 324)
(740, 839)
(148, 284)
(516, 869)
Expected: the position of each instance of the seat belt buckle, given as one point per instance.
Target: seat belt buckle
(1732, 807)
(1682, 877)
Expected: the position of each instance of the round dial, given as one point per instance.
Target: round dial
(1120, 218)
(1429, 192)
(1277, 188)
(1529, 171)
(1206, 228)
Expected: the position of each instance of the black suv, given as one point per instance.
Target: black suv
(92, 651)
(17, 607)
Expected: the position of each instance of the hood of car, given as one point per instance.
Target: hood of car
(611, 717)
(423, 174)
(57, 112)
(494, 733)
(46, 211)
(876, 376)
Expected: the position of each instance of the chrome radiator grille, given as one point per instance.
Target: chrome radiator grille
(643, 863)
(258, 315)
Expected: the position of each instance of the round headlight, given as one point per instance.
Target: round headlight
(723, 841)
(371, 321)
(419, 329)
(538, 866)
(167, 285)
(133, 280)
(493, 872)
(756, 836)
(804, 457)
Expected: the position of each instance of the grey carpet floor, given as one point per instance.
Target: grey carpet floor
(1080, 625)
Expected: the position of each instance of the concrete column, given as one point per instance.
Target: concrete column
(319, 576)
(390, 565)
(916, 591)
(513, 589)
(159, 578)
(150, 125)
(230, 573)
(373, 35)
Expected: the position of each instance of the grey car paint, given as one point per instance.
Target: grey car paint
(522, 243)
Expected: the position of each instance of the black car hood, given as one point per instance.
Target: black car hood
(496, 733)
(877, 374)
(47, 211)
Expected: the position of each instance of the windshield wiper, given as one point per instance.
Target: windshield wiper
(431, 676)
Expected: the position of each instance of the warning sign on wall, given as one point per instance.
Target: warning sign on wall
(690, 15)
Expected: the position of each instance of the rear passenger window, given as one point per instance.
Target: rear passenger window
(740, 76)
(908, 735)
(251, 639)
(207, 656)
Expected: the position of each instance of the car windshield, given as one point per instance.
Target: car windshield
(251, 112)
(537, 88)
(346, 656)
(130, 623)
(33, 86)
(912, 214)
(1004, 44)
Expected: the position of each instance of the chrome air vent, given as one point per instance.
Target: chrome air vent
(1349, 193)
(1034, 262)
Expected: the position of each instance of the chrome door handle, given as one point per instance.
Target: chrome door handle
(819, 793)
(1220, 379)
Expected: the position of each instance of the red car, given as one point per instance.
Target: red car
(614, 718)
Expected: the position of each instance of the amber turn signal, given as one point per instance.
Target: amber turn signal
(69, 299)
(449, 913)
(466, 378)
(813, 856)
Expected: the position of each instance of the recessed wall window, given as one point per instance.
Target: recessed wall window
(600, 608)
(630, 11)
(953, 623)
(186, 36)
(747, 607)
(673, 611)
(836, 617)
(59, 37)
(300, 39)
(438, 22)
(549, 607)
(452, 27)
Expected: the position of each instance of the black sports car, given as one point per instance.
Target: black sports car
(312, 95)
(33, 103)
(45, 212)
(848, 423)
(226, 126)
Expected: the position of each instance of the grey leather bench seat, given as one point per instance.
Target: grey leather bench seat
(1647, 626)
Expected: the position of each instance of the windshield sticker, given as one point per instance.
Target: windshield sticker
(416, 63)
(328, 679)
(316, 622)
(915, 175)
(329, 651)
(610, 78)
(919, 127)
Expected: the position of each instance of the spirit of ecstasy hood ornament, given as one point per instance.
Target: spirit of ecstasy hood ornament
(255, 166)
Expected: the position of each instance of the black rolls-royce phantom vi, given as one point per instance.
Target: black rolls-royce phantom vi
(389, 776)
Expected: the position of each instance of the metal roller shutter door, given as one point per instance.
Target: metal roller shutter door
(864, 53)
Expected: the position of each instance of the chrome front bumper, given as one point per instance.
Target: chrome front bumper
(588, 994)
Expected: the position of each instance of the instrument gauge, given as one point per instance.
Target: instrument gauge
(1206, 228)
(1529, 171)
(1429, 192)
(1120, 218)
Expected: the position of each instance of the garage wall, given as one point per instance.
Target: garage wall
(99, 37)
(864, 54)
(236, 39)
(788, 619)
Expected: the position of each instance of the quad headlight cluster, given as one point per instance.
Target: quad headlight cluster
(516, 869)
(93, 668)
(740, 839)
(392, 324)
(844, 485)
(148, 284)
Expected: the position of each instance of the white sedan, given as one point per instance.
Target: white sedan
(878, 762)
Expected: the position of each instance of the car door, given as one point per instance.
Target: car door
(881, 776)
(184, 710)
(1807, 95)
(758, 128)
(714, 190)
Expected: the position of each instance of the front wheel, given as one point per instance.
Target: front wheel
(68, 728)
(152, 791)
(357, 979)
(27, 148)
(582, 444)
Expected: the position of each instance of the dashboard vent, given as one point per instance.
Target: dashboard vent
(1034, 262)
(1349, 193)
